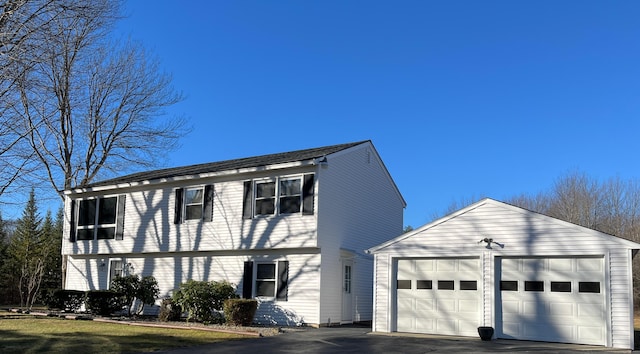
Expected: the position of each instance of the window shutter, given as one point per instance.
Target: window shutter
(208, 203)
(72, 222)
(307, 195)
(247, 280)
(283, 280)
(122, 199)
(177, 216)
(248, 200)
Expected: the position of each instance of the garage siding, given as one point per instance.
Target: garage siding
(515, 233)
(621, 298)
(381, 294)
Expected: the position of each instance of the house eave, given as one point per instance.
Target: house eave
(178, 179)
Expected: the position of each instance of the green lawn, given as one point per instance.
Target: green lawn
(29, 334)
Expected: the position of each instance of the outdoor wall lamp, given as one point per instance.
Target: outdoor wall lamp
(102, 265)
(489, 241)
(321, 161)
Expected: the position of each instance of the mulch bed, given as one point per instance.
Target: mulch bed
(153, 322)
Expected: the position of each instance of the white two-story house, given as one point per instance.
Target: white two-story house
(288, 229)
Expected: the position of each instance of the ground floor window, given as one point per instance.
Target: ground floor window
(267, 280)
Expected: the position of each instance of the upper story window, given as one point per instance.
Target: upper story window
(283, 195)
(99, 218)
(290, 195)
(193, 200)
(265, 200)
(193, 203)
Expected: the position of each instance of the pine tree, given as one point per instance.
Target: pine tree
(5, 280)
(27, 253)
(52, 236)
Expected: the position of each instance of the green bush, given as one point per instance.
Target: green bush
(132, 288)
(65, 300)
(240, 312)
(203, 300)
(104, 302)
(169, 311)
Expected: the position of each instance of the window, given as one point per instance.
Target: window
(116, 269)
(404, 284)
(468, 285)
(589, 287)
(266, 280)
(193, 201)
(445, 285)
(282, 195)
(289, 199)
(347, 279)
(533, 286)
(100, 218)
(509, 285)
(290, 195)
(265, 198)
(561, 286)
(424, 284)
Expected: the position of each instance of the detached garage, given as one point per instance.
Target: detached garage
(527, 275)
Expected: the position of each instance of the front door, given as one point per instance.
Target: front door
(347, 280)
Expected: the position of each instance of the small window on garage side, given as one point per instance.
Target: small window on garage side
(445, 285)
(589, 287)
(533, 286)
(468, 285)
(509, 285)
(424, 284)
(561, 286)
(404, 284)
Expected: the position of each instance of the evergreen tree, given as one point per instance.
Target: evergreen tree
(52, 238)
(27, 253)
(5, 280)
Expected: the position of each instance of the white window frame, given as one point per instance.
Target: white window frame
(110, 275)
(277, 195)
(185, 204)
(95, 226)
(274, 280)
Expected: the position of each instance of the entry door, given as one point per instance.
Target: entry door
(347, 296)
(552, 299)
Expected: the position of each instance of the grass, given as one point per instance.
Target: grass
(30, 334)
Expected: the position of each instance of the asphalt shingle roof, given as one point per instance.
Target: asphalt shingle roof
(248, 162)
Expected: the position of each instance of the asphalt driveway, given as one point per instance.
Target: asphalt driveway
(354, 339)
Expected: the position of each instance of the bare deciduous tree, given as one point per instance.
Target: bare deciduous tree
(89, 105)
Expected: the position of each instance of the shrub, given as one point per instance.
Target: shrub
(132, 288)
(104, 302)
(240, 312)
(169, 311)
(203, 300)
(65, 300)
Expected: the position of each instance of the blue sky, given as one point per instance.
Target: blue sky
(461, 98)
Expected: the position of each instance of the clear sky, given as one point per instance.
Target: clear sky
(461, 98)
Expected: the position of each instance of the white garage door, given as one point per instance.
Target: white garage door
(439, 296)
(553, 299)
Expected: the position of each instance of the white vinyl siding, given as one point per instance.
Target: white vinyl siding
(358, 207)
(171, 270)
(149, 227)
